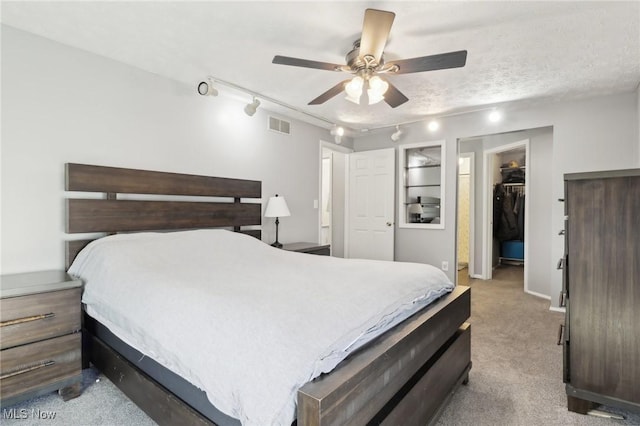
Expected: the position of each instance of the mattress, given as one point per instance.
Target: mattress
(243, 321)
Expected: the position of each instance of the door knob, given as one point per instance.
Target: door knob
(389, 223)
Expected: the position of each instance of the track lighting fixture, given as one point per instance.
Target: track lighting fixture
(251, 108)
(397, 134)
(205, 88)
(337, 132)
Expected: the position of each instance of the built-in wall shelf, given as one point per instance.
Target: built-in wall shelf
(421, 185)
(423, 167)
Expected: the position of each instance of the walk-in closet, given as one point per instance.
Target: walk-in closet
(509, 198)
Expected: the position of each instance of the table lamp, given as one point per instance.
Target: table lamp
(277, 207)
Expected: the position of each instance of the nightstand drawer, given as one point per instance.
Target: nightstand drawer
(29, 367)
(34, 317)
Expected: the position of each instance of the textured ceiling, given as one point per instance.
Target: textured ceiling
(517, 51)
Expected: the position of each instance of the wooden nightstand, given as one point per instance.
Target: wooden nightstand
(311, 248)
(40, 338)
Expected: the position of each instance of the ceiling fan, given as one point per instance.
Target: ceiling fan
(366, 61)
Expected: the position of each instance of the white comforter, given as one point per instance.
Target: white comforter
(247, 323)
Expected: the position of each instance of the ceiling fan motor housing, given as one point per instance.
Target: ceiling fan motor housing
(358, 63)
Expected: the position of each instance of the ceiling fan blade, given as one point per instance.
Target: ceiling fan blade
(296, 62)
(335, 90)
(431, 63)
(375, 32)
(394, 97)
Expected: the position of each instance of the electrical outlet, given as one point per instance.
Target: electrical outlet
(445, 265)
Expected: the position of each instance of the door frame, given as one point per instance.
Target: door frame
(472, 210)
(343, 150)
(487, 208)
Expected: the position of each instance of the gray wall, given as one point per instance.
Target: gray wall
(538, 198)
(62, 104)
(591, 134)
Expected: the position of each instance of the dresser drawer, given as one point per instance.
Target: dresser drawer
(33, 366)
(27, 319)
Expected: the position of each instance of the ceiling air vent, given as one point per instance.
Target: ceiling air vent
(279, 126)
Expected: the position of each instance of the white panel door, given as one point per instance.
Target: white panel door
(371, 204)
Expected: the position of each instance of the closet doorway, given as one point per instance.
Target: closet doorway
(506, 213)
(536, 144)
(465, 232)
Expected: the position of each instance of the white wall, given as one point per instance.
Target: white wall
(591, 134)
(61, 104)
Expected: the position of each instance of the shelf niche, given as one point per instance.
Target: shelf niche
(421, 185)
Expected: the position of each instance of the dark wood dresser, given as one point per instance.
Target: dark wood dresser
(40, 339)
(601, 290)
(311, 248)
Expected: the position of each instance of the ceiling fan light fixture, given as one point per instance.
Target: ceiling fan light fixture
(377, 88)
(354, 89)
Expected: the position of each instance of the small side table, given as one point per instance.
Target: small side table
(311, 248)
(40, 337)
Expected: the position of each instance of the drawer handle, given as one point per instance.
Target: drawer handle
(560, 263)
(27, 319)
(28, 369)
(560, 333)
(563, 299)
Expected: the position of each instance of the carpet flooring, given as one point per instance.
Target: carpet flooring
(516, 377)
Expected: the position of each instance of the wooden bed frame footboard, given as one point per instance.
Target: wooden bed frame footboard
(403, 377)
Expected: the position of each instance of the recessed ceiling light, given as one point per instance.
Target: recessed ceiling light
(433, 125)
(495, 116)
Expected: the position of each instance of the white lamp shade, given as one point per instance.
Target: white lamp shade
(415, 209)
(277, 207)
(377, 89)
(354, 89)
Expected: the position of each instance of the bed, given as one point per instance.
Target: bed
(403, 376)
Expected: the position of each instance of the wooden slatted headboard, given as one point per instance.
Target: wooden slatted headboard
(112, 215)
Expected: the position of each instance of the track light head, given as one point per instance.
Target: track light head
(205, 88)
(337, 132)
(397, 134)
(251, 108)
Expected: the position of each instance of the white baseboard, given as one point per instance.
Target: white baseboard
(540, 295)
(554, 309)
(477, 276)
